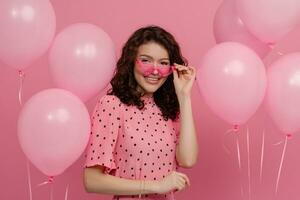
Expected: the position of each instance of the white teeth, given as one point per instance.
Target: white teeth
(153, 79)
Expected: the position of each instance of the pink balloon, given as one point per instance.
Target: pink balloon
(82, 60)
(53, 130)
(269, 20)
(27, 30)
(283, 93)
(229, 27)
(232, 80)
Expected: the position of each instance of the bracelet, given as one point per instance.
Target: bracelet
(143, 186)
(140, 194)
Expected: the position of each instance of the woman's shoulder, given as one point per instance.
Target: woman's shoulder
(110, 104)
(109, 98)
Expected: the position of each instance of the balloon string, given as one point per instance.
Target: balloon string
(278, 143)
(242, 190)
(29, 180)
(66, 193)
(262, 155)
(281, 162)
(51, 192)
(229, 131)
(22, 76)
(238, 152)
(50, 180)
(239, 160)
(249, 170)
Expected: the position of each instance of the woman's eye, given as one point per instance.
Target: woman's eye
(144, 60)
(164, 63)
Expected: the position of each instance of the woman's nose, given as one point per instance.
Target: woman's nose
(155, 66)
(155, 71)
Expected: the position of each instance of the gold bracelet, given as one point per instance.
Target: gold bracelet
(144, 182)
(140, 194)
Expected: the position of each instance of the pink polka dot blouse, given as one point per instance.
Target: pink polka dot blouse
(132, 143)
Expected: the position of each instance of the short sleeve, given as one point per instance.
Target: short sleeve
(104, 133)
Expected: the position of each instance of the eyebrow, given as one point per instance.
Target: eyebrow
(152, 58)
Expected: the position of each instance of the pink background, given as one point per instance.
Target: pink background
(216, 175)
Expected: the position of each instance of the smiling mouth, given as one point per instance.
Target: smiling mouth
(150, 79)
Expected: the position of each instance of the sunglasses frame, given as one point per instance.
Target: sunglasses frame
(148, 69)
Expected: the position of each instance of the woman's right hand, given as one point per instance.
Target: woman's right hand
(174, 181)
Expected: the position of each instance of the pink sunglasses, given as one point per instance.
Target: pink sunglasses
(148, 68)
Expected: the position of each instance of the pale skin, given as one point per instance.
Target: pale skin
(95, 181)
(187, 149)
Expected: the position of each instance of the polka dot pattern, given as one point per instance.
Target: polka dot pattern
(132, 143)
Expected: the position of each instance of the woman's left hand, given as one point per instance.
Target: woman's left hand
(184, 77)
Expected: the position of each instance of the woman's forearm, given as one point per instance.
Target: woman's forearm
(187, 149)
(97, 182)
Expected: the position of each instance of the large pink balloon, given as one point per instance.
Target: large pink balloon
(228, 26)
(283, 93)
(82, 60)
(232, 80)
(269, 20)
(53, 130)
(27, 30)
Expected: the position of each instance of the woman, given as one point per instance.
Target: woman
(143, 128)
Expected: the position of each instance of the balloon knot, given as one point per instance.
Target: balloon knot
(21, 73)
(50, 179)
(271, 45)
(289, 136)
(235, 127)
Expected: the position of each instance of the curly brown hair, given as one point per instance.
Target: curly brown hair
(124, 85)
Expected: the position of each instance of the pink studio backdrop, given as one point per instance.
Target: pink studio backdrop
(216, 175)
